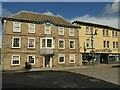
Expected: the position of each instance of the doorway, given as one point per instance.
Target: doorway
(104, 58)
(47, 61)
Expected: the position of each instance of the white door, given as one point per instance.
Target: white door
(43, 61)
(50, 62)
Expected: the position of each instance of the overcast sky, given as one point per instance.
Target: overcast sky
(96, 12)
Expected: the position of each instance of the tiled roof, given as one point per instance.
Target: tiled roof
(94, 24)
(41, 18)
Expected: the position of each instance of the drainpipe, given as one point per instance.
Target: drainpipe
(3, 41)
(78, 49)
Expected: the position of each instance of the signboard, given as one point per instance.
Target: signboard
(103, 50)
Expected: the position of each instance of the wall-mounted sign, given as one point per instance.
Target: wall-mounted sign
(103, 50)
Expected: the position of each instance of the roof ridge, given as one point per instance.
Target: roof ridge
(37, 13)
(15, 14)
(58, 16)
(104, 25)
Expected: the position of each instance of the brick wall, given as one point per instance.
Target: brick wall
(24, 50)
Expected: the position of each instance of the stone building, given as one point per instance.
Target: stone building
(42, 40)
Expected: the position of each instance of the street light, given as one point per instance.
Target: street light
(92, 37)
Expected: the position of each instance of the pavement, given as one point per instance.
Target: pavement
(106, 72)
(54, 79)
(62, 68)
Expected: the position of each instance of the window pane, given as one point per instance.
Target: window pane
(107, 44)
(61, 59)
(113, 44)
(16, 42)
(87, 30)
(116, 44)
(112, 33)
(116, 34)
(47, 28)
(103, 32)
(16, 26)
(31, 28)
(71, 44)
(104, 44)
(91, 30)
(106, 32)
(43, 42)
(72, 58)
(49, 42)
(31, 59)
(61, 44)
(71, 32)
(15, 60)
(31, 43)
(61, 31)
(87, 42)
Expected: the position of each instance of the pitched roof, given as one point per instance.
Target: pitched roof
(93, 24)
(41, 18)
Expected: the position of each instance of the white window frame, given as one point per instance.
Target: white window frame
(59, 43)
(49, 28)
(19, 42)
(33, 43)
(29, 27)
(13, 60)
(28, 59)
(72, 31)
(61, 55)
(59, 32)
(74, 44)
(46, 42)
(70, 56)
(19, 30)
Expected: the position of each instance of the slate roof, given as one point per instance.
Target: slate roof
(40, 18)
(93, 24)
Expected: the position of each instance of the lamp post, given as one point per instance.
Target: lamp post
(92, 37)
(92, 49)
